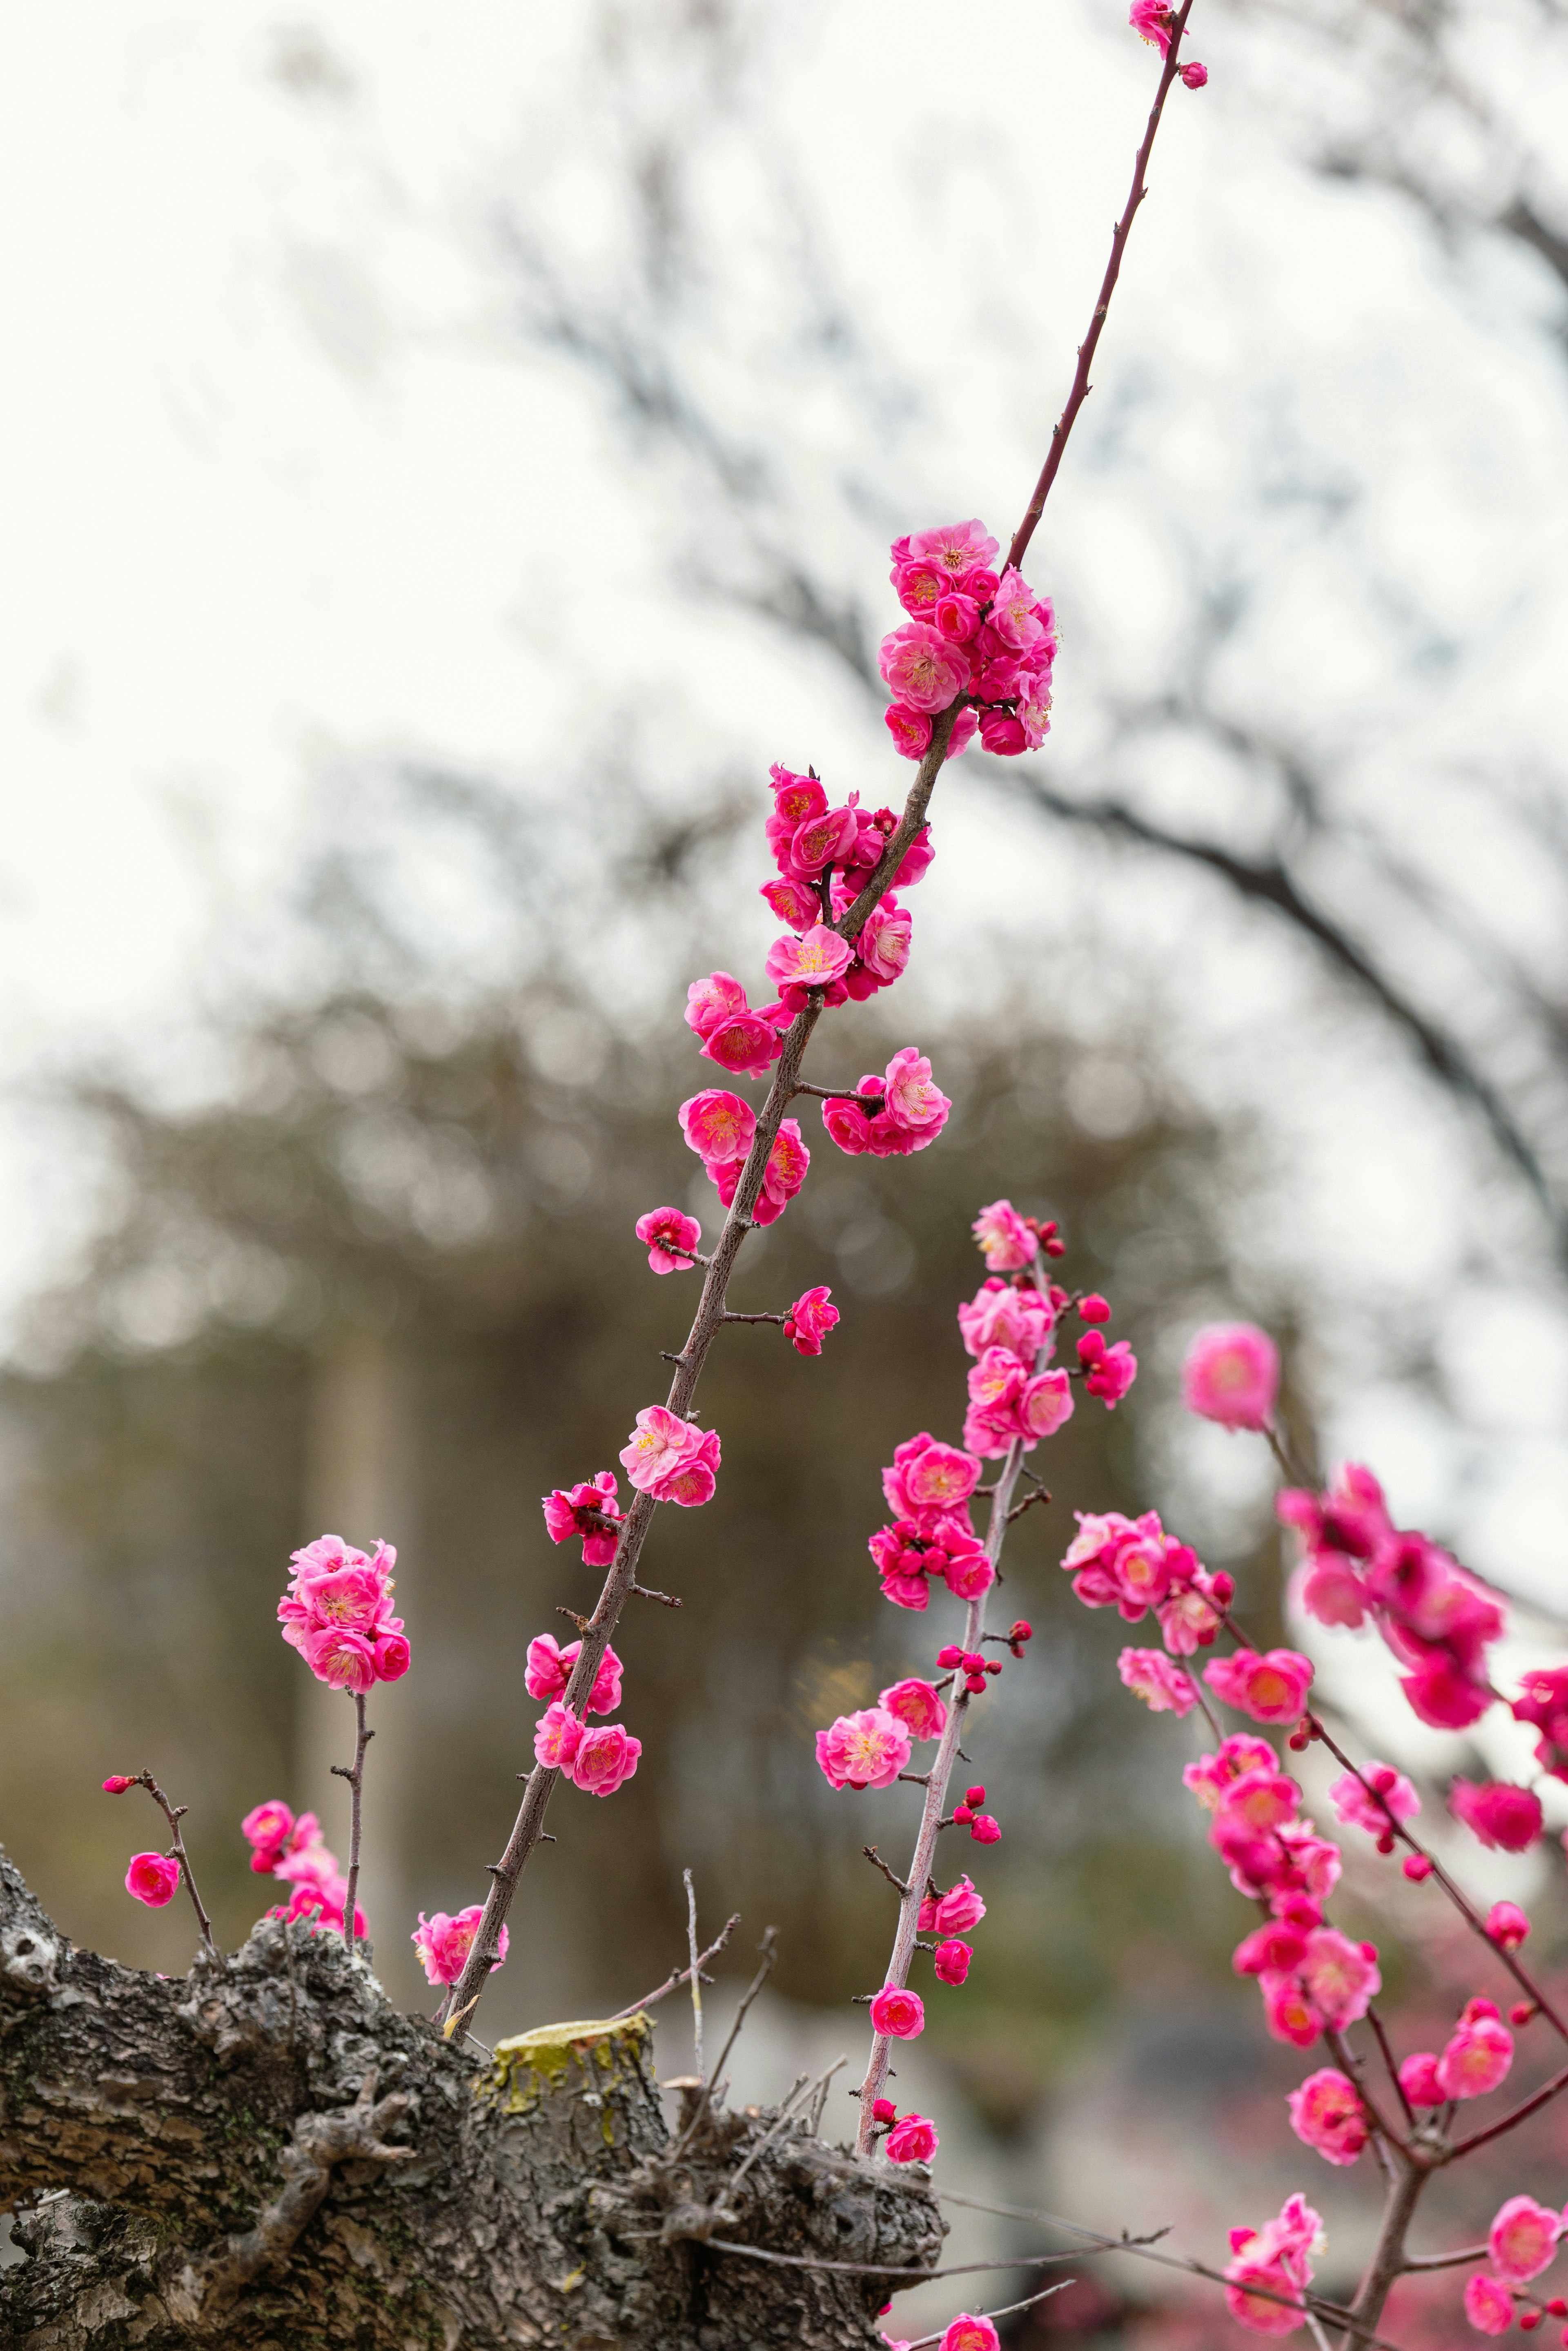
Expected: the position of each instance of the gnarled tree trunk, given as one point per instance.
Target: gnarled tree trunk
(267, 2154)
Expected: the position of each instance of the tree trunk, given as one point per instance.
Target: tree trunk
(267, 2154)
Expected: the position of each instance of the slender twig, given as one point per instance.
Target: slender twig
(769, 1948)
(664, 1599)
(841, 1094)
(801, 2082)
(872, 1855)
(921, 2342)
(1086, 349)
(756, 1318)
(695, 1974)
(1349, 2062)
(1415, 2263)
(1547, 2092)
(1017, 1512)
(673, 1983)
(824, 2084)
(1376, 2023)
(355, 1776)
(175, 1815)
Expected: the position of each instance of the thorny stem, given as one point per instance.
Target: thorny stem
(527, 1828)
(1087, 347)
(175, 1815)
(356, 1779)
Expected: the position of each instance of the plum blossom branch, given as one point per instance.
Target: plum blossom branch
(355, 1775)
(153, 1886)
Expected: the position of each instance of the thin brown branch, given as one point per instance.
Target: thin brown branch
(355, 1775)
(175, 1815)
(673, 1982)
(1531, 2105)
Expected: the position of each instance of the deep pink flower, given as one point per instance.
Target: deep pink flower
(571, 1512)
(1000, 1316)
(1270, 1688)
(1045, 1404)
(268, 1826)
(672, 1459)
(985, 1830)
(1212, 1775)
(926, 1480)
(910, 729)
(956, 618)
(885, 942)
(1014, 614)
(915, 1702)
(117, 1783)
(1418, 2079)
(919, 586)
(1478, 2052)
(915, 1104)
(868, 1749)
(153, 1879)
(813, 961)
(913, 2140)
(548, 1670)
(1165, 1688)
(1276, 2258)
(393, 1656)
(746, 1046)
(826, 838)
(1232, 1375)
(1002, 734)
(342, 1660)
(958, 1909)
(1498, 1813)
(1508, 1926)
(970, 2333)
(957, 550)
(792, 902)
(443, 1944)
(1290, 2015)
(964, 1568)
(1153, 19)
(1440, 1694)
(1367, 1800)
(1006, 1240)
(671, 1237)
(951, 1961)
(1524, 2239)
(603, 1757)
(1341, 1978)
(921, 668)
(558, 1734)
(712, 1000)
(1109, 1372)
(353, 1599)
(1489, 2306)
(1195, 75)
(899, 2012)
(718, 1125)
(809, 1320)
(1326, 2113)
(1276, 1949)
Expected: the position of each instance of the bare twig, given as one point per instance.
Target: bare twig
(175, 1815)
(672, 1983)
(355, 1776)
(696, 1975)
(769, 1948)
(921, 2342)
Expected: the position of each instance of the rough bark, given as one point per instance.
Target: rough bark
(266, 2154)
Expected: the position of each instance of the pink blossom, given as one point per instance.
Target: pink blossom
(548, 1670)
(912, 2140)
(268, 1826)
(1489, 2306)
(919, 586)
(1232, 1375)
(1165, 1688)
(809, 1320)
(958, 1909)
(1445, 1696)
(1109, 1372)
(809, 962)
(1211, 1775)
(569, 1513)
(885, 942)
(915, 1703)
(899, 2012)
(1274, 2257)
(443, 1944)
(1045, 1404)
(1195, 75)
(915, 1102)
(1524, 2239)
(1498, 1813)
(964, 1568)
(1508, 1926)
(927, 1481)
(1418, 2079)
(712, 1001)
(1478, 2052)
(957, 550)
(718, 1125)
(1014, 615)
(117, 1783)
(956, 618)
(1288, 2012)
(1367, 1801)
(1188, 1616)
(1341, 1978)
(603, 1757)
(393, 1656)
(1002, 734)
(672, 1459)
(910, 729)
(921, 668)
(670, 1238)
(1257, 1801)
(558, 1734)
(352, 1600)
(153, 1879)
(1326, 2113)
(827, 838)
(970, 2333)
(796, 797)
(1276, 1949)
(1270, 1688)
(342, 1660)
(951, 1961)
(1153, 19)
(1005, 1240)
(1000, 1316)
(984, 1828)
(868, 1749)
(746, 1046)
(792, 902)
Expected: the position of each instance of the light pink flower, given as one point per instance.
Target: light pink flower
(921, 668)
(353, 1599)
(670, 1238)
(1524, 2239)
(957, 550)
(927, 1480)
(970, 2333)
(1005, 1240)
(571, 1512)
(603, 1757)
(1479, 2053)
(913, 1099)
(1270, 1688)
(1326, 2112)
(558, 1734)
(443, 1943)
(1000, 1316)
(809, 1320)
(1357, 1806)
(718, 1125)
(1418, 2079)
(153, 1879)
(868, 1749)
(1340, 1976)
(1165, 1688)
(342, 1660)
(958, 1909)
(1489, 2306)
(548, 1670)
(912, 2140)
(670, 1458)
(1045, 1404)
(919, 586)
(1232, 1375)
(951, 1961)
(809, 962)
(1211, 1775)
(268, 1826)
(898, 2013)
(885, 942)
(1508, 1926)
(1498, 1812)
(915, 1702)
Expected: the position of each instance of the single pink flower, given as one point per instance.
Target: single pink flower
(916, 1704)
(899, 2012)
(1153, 19)
(809, 1320)
(970, 2333)
(915, 1104)
(1275, 2257)
(1288, 2012)
(1489, 2306)
(868, 1749)
(1165, 1688)
(1418, 2080)
(1232, 1375)
(1274, 1948)
(1508, 1926)
(1524, 2239)
(1270, 1688)
(718, 1125)
(1006, 1241)
(958, 1909)
(1442, 1695)
(792, 902)
(558, 1734)
(985, 1830)
(153, 1879)
(1479, 2053)
(809, 962)
(1498, 1813)
(604, 1757)
(670, 1458)
(885, 942)
(827, 838)
(957, 550)
(1367, 1801)
(341, 1659)
(712, 1000)
(919, 586)
(670, 1238)
(443, 1944)
(927, 1480)
(910, 729)
(951, 1961)
(268, 1826)
(913, 2140)
(573, 1512)
(746, 1046)
(1044, 1405)
(393, 1656)
(548, 1670)
(1108, 1372)
(1195, 75)
(1341, 1978)
(921, 668)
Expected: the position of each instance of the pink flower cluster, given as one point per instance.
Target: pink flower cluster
(443, 1944)
(1270, 1688)
(1438, 1620)
(672, 1459)
(337, 1613)
(743, 1042)
(1007, 1404)
(719, 1126)
(1132, 1565)
(908, 1557)
(890, 1116)
(1374, 1800)
(1275, 2257)
(972, 631)
(576, 1510)
(290, 1848)
(1475, 2059)
(821, 849)
(596, 1759)
(548, 1670)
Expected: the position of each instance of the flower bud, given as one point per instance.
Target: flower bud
(1094, 1309)
(1416, 1867)
(974, 1795)
(1195, 75)
(117, 1783)
(984, 1828)
(962, 1816)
